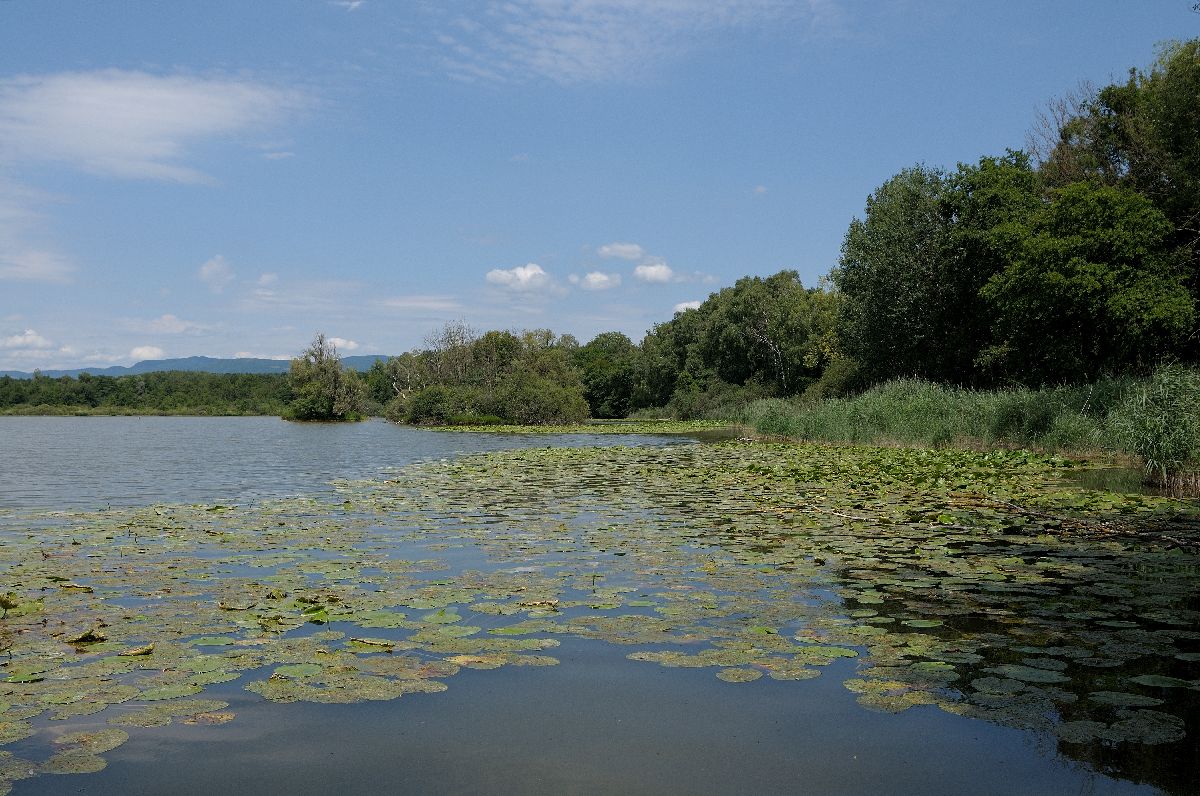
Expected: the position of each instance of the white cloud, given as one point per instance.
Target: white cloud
(624, 251)
(165, 324)
(216, 273)
(684, 306)
(26, 339)
(278, 155)
(523, 278)
(33, 265)
(579, 41)
(596, 280)
(654, 272)
(23, 257)
(760, 189)
(130, 124)
(349, 5)
(268, 279)
(146, 352)
(342, 344)
(423, 303)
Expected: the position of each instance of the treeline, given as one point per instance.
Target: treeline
(172, 392)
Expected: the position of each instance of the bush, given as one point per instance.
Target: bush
(529, 400)
(436, 405)
(1160, 422)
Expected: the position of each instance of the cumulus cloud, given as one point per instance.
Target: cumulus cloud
(146, 352)
(342, 344)
(26, 339)
(684, 306)
(624, 251)
(658, 272)
(595, 280)
(216, 273)
(130, 124)
(579, 41)
(522, 278)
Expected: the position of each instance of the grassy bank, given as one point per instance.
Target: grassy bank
(1157, 420)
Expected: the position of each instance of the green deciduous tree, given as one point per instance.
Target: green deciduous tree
(1096, 287)
(323, 390)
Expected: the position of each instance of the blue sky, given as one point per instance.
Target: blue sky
(227, 177)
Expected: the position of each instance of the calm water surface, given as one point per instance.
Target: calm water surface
(594, 724)
(88, 462)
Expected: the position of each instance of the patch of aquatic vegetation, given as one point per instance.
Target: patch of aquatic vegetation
(601, 427)
(979, 584)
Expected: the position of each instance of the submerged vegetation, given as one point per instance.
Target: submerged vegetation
(977, 583)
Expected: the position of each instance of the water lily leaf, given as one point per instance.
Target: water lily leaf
(94, 742)
(73, 762)
(1160, 681)
(739, 675)
(298, 671)
(215, 717)
(1123, 700)
(1028, 674)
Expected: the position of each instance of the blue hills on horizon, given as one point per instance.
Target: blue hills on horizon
(200, 364)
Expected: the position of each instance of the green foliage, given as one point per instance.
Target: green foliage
(1094, 288)
(608, 364)
(496, 378)
(771, 336)
(166, 393)
(892, 274)
(1160, 422)
(322, 389)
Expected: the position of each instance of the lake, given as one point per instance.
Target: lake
(553, 620)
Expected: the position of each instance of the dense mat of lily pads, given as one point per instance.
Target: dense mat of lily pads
(977, 583)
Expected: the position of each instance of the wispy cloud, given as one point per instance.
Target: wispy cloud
(130, 124)
(422, 303)
(164, 324)
(24, 256)
(216, 273)
(581, 41)
(624, 251)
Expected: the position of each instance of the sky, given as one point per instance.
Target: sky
(229, 177)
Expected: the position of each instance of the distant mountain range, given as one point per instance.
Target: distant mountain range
(201, 364)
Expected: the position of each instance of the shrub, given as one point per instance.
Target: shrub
(1160, 423)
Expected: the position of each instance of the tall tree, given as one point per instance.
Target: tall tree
(1096, 287)
(323, 390)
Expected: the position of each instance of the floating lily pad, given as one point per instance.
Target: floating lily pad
(739, 675)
